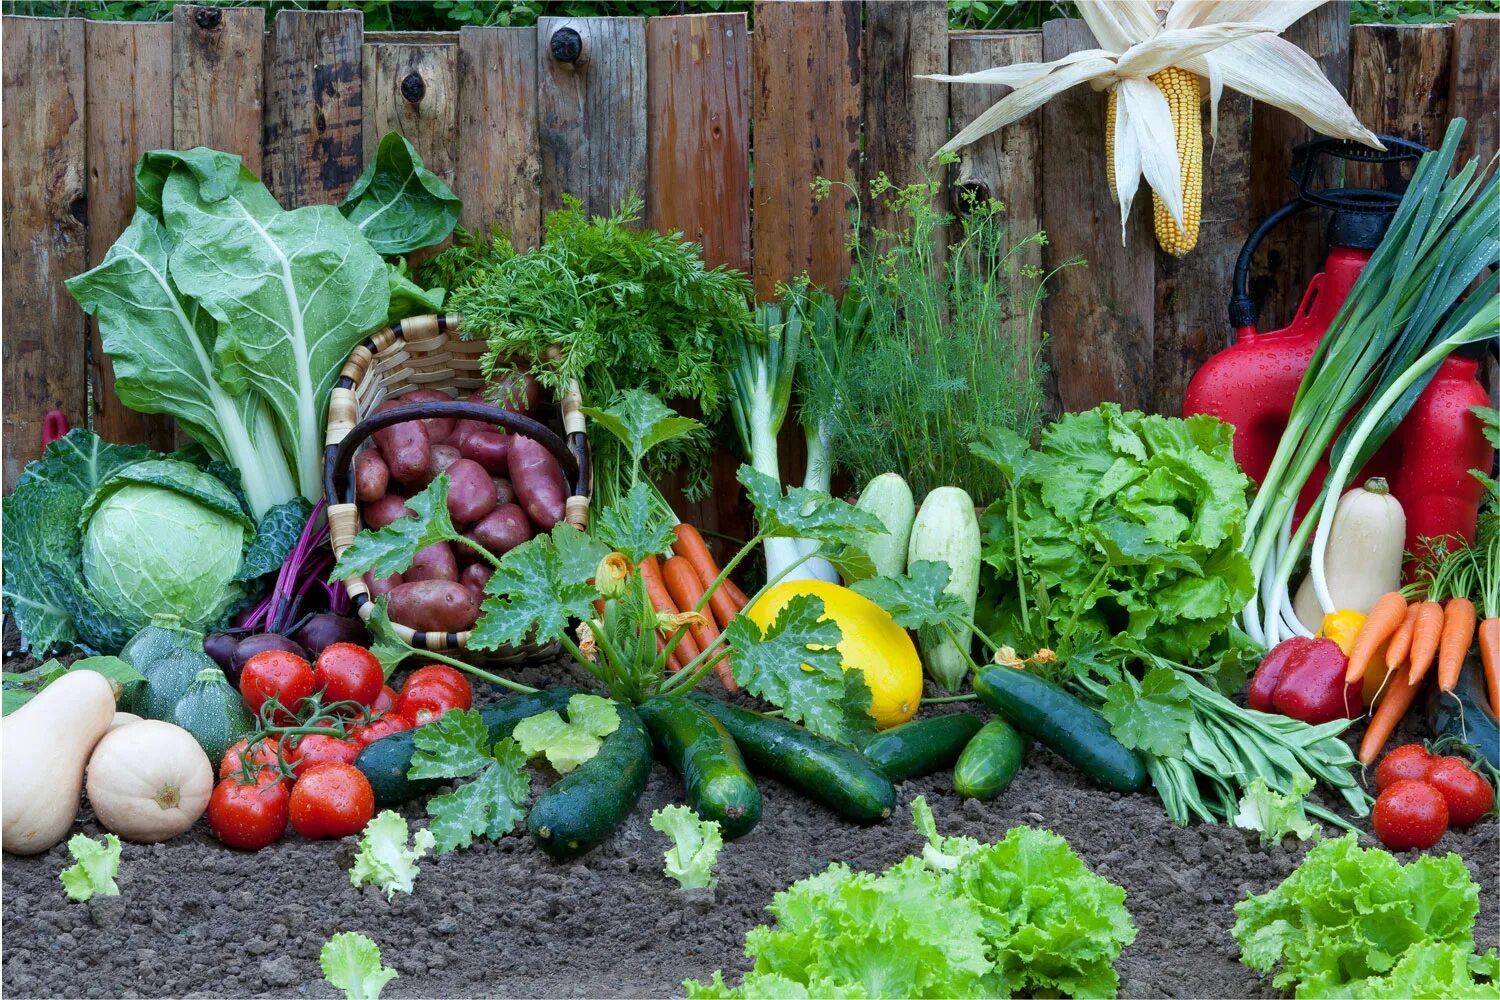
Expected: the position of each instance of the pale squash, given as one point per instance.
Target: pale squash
(1365, 552)
(149, 781)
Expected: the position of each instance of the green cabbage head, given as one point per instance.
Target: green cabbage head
(163, 538)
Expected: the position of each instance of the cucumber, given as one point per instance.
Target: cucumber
(918, 748)
(947, 530)
(1466, 715)
(889, 498)
(386, 761)
(991, 761)
(828, 772)
(699, 748)
(1072, 730)
(578, 812)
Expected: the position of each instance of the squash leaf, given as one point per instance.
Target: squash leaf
(634, 527)
(803, 513)
(391, 549)
(456, 746)
(539, 586)
(641, 422)
(918, 598)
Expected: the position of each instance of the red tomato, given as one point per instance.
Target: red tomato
(1410, 815)
(248, 817)
(263, 758)
(1410, 762)
(385, 701)
(440, 672)
(1467, 795)
(431, 691)
(390, 722)
(346, 672)
(315, 748)
(331, 800)
(276, 672)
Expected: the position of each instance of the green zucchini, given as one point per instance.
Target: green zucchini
(991, 761)
(946, 530)
(1072, 730)
(1466, 715)
(922, 747)
(831, 773)
(699, 748)
(214, 713)
(578, 812)
(889, 498)
(386, 761)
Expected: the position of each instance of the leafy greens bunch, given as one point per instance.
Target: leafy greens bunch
(1023, 917)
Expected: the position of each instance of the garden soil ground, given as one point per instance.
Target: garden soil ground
(196, 919)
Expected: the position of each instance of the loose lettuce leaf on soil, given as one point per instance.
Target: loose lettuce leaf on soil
(567, 744)
(398, 203)
(1275, 815)
(384, 860)
(94, 874)
(351, 962)
(696, 844)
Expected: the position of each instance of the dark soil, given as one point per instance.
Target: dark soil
(194, 918)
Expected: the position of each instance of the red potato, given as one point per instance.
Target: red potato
(490, 448)
(435, 562)
(385, 510)
(434, 606)
(379, 587)
(438, 428)
(517, 392)
(471, 492)
(443, 455)
(504, 492)
(406, 447)
(538, 480)
(475, 576)
(503, 529)
(372, 477)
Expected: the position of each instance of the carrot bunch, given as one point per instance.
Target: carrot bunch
(679, 585)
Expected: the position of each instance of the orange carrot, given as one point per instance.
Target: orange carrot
(1393, 705)
(1425, 636)
(1384, 618)
(691, 546)
(686, 589)
(1400, 645)
(1489, 655)
(656, 590)
(1458, 634)
(736, 594)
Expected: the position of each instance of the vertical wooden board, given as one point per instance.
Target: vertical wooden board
(1294, 252)
(218, 80)
(806, 71)
(1101, 318)
(698, 123)
(1398, 85)
(128, 68)
(413, 89)
(1192, 291)
(591, 98)
(905, 119)
(499, 157)
(314, 106)
(1474, 83)
(43, 241)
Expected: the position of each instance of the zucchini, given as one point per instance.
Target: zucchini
(889, 498)
(578, 812)
(699, 748)
(947, 530)
(1466, 715)
(918, 748)
(214, 713)
(1072, 730)
(828, 772)
(386, 761)
(991, 761)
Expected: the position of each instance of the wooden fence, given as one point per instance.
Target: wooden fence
(514, 118)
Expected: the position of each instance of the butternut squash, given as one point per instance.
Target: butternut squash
(1365, 548)
(44, 748)
(149, 781)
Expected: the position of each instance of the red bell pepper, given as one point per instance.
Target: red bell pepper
(1304, 679)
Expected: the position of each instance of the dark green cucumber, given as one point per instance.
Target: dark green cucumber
(699, 748)
(833, 774)
(1466, 715)
(991, 761)
(922, 747)
(578, 812)
(385, 762)
(1072, 730)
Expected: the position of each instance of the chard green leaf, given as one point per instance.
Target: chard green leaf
(409, 298)
(539, 586)
(634, 527)
(641, 422)
(696, 844)
(391, 549)
(96, 868)
(918, 599)
(384, 860)
(1275, 815)
(803, 513)
(351, 962)
(455, 746)
(489, 806)
(275, 537)
(795, 664)
(398, 203)
(567, 744)
(1153, 716)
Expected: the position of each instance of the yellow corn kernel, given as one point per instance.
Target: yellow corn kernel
(1109, 145)
(1181, 90)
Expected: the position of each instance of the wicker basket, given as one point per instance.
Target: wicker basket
(426, 352)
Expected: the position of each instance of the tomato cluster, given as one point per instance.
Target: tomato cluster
(1422, 794)
(294, 771)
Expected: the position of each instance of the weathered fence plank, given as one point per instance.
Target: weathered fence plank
(45, 140)
(218, 80)
(1398, 85)
(905, 119)
(413, 89)
(499, 157)
(1101, 318)
(698, 123)
(1474, 83)
(806, 98)
(314, 106)
(591, 96)
(128, 68)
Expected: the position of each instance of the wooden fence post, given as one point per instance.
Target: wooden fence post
(314, 106)
(413, 89)
(499, 153)
(1474, 83)
(905, 119)
(1398, 85)
(218, 80)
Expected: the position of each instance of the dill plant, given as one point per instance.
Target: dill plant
(941, 343)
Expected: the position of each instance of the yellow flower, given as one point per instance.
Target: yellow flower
(1006, 657)
(611, 576)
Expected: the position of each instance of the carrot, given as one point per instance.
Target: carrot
(1458, 635)
(736, 594)
(1384, 618)
(656, 590)
(691, 546)
(686, 589)
(1489, 654)
(1393, 705)
(1425, 636)
(1400, 645)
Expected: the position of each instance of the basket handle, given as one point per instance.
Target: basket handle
(338, 485)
